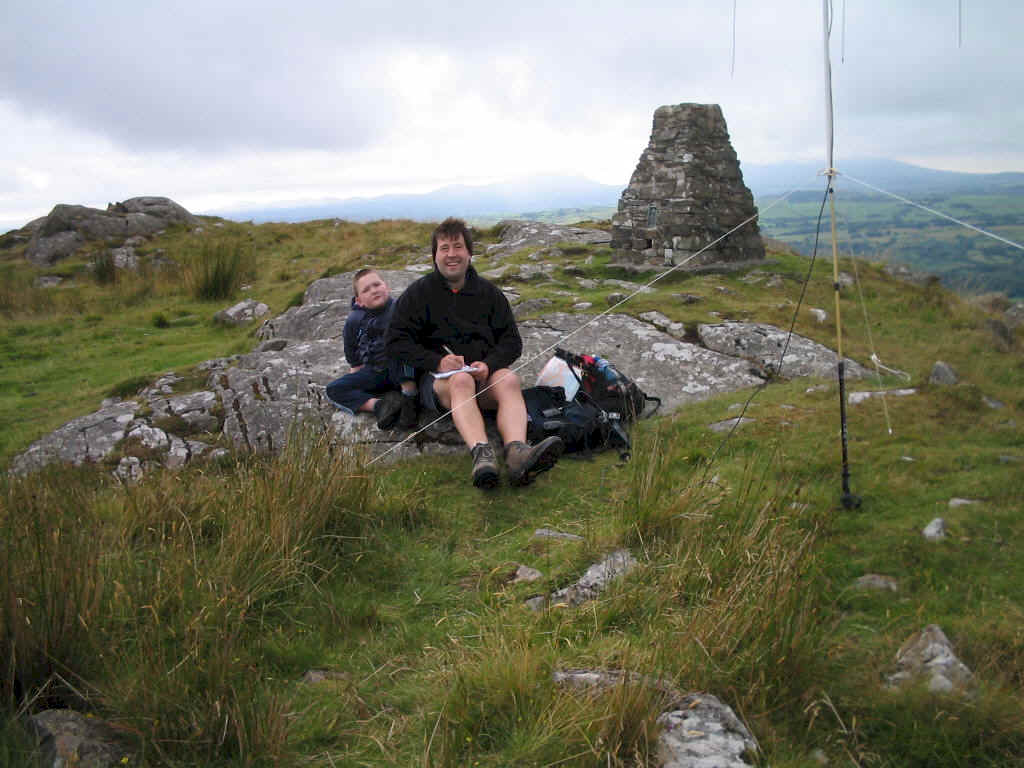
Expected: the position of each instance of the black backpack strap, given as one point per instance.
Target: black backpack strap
(621, 439)
(652, 399)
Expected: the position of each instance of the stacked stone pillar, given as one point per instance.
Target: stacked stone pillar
(686, 192)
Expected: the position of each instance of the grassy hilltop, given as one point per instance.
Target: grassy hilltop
(186, 611)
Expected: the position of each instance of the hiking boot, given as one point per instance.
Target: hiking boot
(525, 462)
(409, 417)
(485, 466)
(388, 409)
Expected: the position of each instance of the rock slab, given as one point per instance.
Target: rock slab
(67, 227)
(928, 656)
(702, 732)
(254, 400)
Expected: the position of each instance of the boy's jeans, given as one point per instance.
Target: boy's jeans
(353, 389)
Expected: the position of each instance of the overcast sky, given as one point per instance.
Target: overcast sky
(221, 104)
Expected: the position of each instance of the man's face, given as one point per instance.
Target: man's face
(452, 258)
(372, 292)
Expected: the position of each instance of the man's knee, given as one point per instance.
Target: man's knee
(454, 389)
(506, 382)
(462, 384)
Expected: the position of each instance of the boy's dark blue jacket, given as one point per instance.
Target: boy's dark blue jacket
(475, 322)
(364, 335)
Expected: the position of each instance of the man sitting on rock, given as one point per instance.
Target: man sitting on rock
(373, 383)
(460, 328)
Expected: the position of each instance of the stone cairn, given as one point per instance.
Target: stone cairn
(686, 192)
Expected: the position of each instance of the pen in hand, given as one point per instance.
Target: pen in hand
(448, 349)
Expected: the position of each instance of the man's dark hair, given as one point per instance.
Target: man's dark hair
(450, 229)
(360, 275)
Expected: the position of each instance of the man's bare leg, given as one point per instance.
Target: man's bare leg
(523, 461)
(457, 394)
(506, 395)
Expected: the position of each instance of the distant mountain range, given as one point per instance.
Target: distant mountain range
(531, 194)
(544, 193)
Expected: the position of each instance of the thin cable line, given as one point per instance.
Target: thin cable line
(934, 212)
(867, 324)
(785, 348)
(959, 23)
(732, 62)
(842, 48)
(589, 322)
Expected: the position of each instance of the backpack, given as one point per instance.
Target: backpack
(608, 388)
(604, 402)
(582, 426)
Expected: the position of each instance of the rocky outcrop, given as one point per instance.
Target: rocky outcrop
(927, 657)
(687, 192)
(253, 401)
(325, 305)
(517, 234)
(935, 530)
(698, 730)
(590, 584)
(1015, 315)
(87, 439)
(702, 731)
(763, 344)
(943, 375)
(69, 738)
(68, 227)
(242, 313)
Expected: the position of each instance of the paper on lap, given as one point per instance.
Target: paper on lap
(463, 369)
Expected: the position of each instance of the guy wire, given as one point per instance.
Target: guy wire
(934, 212)
(785, 347)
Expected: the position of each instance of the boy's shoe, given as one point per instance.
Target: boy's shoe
(388, 409)
(485, 466)
(525, 462)
(409, 417)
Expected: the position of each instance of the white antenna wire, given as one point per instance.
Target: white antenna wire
(732, 63)
(940, 214)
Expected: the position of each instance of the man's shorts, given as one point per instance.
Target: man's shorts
(428, 398)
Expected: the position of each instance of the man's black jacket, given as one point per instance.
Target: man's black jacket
(476, 322)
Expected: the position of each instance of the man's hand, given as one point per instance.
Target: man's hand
(480, 372)
(450, 363)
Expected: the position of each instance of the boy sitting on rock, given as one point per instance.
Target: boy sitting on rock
(373, 384)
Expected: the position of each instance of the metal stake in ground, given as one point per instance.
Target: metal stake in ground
(848, 499)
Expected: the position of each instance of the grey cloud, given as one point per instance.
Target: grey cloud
(150, 77)
(267, 76)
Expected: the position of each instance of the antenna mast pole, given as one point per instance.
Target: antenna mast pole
(848, 499)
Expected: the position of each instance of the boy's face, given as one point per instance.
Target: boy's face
(372, 292)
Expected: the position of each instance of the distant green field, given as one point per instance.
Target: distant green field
(889, 230)
(884, 229)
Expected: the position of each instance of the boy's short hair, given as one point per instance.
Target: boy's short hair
(360, 275)
(450, 229)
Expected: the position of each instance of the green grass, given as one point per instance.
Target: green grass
(884, 229)
(187, 610)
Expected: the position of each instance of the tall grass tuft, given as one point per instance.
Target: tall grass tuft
(737, 591)
(236, 556)
(19, 295)
(154, 600)
(502, 707)
(217, 269)
(104, 270)
(54, 588)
